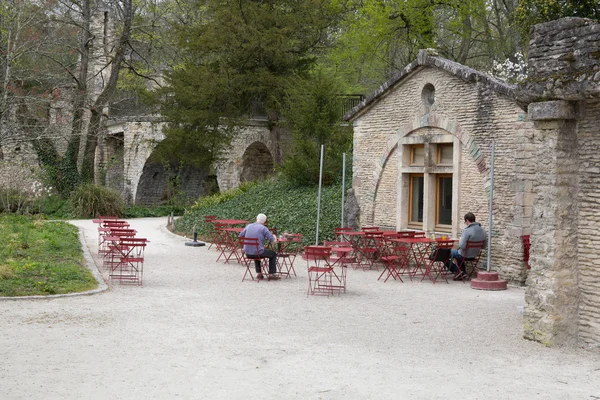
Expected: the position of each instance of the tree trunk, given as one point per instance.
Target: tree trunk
(97, 109)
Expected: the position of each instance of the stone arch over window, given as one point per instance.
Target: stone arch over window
(435, 121)
(257, 163)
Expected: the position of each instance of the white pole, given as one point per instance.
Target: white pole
(319, 199)
(489, 242)
(343, 186)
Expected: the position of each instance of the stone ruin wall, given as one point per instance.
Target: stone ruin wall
(230, 168)
(563, 296)
(481, 115)
(588, 243)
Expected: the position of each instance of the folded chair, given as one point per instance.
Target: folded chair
(320, 272)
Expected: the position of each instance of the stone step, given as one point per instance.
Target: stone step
(487, 276)
(488, 281)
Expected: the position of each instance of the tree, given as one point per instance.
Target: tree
(531, 12)
(239, 54)
(313, 117)
(379, 38)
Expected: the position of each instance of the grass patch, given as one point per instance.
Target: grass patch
(288, 208)
(41, 258)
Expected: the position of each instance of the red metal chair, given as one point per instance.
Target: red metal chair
(249, 260)
(344, 258)
(370, 229)
(320, 272)
(130, 265)
(210, 228)
(288, 249)
(471, 262)
(419, 234)
(340, 234)
(436, 266)
(394, 257)
(370, 249)
(220, 239)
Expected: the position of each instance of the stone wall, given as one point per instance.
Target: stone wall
(588, 244)
(481, 115)
(563, 91)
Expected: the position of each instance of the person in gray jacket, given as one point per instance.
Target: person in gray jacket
(472, 232)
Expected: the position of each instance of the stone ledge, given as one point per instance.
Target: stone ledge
(551, 110)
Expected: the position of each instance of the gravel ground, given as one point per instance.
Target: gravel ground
(196, 331)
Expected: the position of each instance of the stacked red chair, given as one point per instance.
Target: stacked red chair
(122, 251)
(320, 271)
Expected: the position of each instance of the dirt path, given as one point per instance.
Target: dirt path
(195, 331)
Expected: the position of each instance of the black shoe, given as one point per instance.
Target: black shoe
(259, 276)
(461, 277)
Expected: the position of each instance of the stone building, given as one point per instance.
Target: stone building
(422, 149)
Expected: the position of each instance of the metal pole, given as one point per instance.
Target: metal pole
(489, 242)
(319, 199)
(343, 185)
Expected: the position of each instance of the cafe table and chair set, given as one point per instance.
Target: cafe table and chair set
(402, 255)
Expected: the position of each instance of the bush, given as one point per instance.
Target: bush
(89, 201)
(288, 208)
(14, 201)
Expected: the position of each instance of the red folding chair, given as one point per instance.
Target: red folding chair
(471, 262)
(370, 229)
(210, 228)
(320, 272)
(370, 249)
(340, 234)
(288, 249)
(341, 258)
(220, 239)
(438, 260)
(130, 267)
(394, 257)
(249, 260)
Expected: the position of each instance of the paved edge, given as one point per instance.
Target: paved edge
(89, 264)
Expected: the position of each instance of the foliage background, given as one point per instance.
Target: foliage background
(288, 208)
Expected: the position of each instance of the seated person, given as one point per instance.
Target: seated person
(473, 232)
(259, 231)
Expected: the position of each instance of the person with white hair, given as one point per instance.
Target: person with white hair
(259, 231)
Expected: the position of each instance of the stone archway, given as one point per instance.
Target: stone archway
(162, 181)
(257, 163)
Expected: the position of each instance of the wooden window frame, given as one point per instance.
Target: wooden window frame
(441, 227)
(412, 154)
(411, 223)
(440, 146)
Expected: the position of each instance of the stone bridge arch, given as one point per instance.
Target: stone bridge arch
(251, 156)
(142, 179)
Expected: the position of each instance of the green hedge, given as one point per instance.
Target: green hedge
(287, 208)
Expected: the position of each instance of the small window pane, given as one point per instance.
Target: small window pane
(445, 201)
(445, 154)
(417, 155)
(417, 184)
